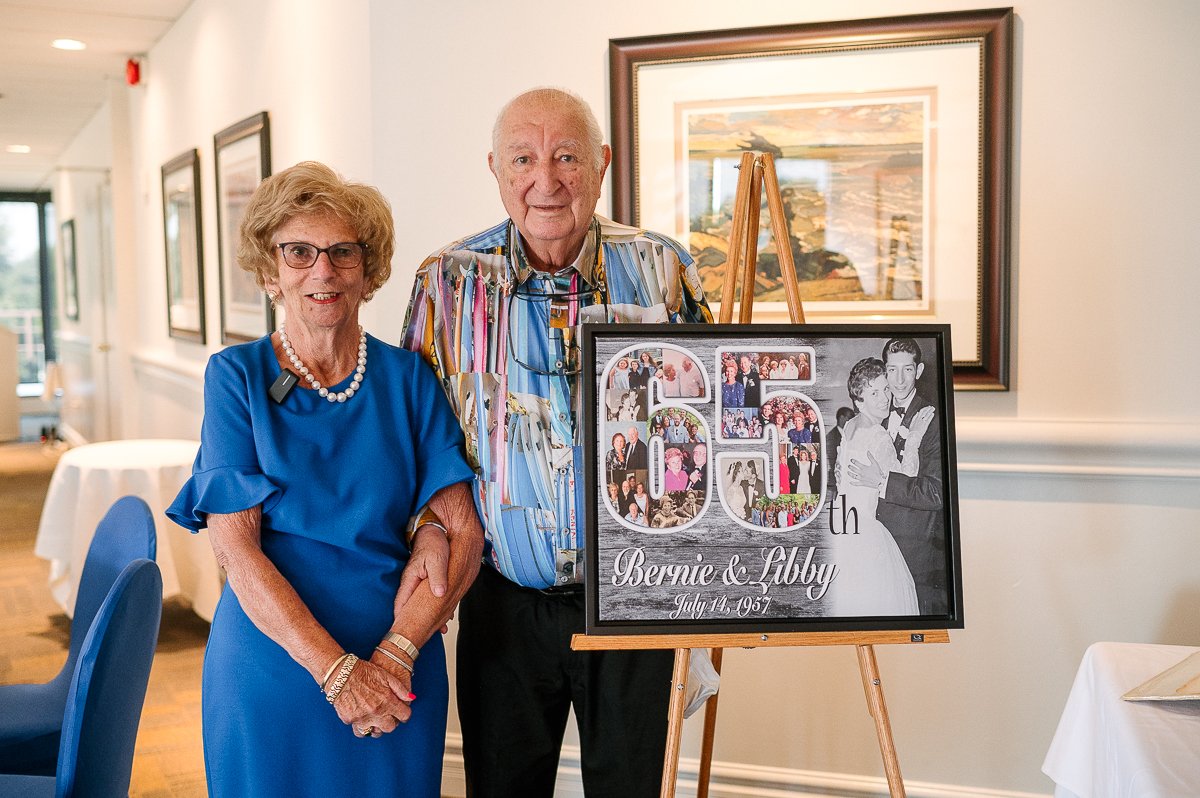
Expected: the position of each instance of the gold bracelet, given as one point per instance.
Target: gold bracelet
(425, 516)
(438, 524)
(403, 643)
(394, 658)
(336, 664)
(335, 689)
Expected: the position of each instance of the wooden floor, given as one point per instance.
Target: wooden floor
(168, 760)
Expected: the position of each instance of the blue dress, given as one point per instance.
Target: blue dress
(337, 484)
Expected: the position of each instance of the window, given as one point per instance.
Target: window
(26, 293)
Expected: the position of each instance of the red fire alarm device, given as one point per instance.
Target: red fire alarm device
(133, 72)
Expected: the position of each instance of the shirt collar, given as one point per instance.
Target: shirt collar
(585, 262)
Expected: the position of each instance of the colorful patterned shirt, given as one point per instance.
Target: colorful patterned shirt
(504, 339)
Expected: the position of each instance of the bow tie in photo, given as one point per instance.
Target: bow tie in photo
(895, 420)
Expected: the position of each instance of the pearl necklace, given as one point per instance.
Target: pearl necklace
(359, 371)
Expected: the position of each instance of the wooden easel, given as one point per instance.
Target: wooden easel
(864, 643)
(758, 174)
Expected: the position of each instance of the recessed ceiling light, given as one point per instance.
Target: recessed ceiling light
(20, 149)
(68, 44)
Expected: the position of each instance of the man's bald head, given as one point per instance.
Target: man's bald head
(563, 101)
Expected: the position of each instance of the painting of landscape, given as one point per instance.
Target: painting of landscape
(855, 176)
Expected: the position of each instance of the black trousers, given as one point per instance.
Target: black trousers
(518, 678)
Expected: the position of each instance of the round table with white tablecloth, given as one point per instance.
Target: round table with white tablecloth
(88, 479)
(1109, 748)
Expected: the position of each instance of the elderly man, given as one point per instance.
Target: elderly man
(691, 381)
(500, 311)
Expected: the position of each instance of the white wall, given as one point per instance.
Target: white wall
(303, 62)
(81, 193)
(1078, 488)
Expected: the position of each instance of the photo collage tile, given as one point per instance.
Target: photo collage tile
(658, 471)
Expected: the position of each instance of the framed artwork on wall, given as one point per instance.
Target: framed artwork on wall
(242, 160)
(184, 247)
(70, 270)
(891, 140)
(744, 478)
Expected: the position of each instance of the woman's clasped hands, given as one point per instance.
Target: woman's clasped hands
(375, 698)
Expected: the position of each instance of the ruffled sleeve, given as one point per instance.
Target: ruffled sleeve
(227, 489)
(227, 476)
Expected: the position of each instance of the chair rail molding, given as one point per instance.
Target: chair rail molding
(1080, 448)
(1019, 447)
(158, 368)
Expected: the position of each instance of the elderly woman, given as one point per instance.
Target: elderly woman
(319, 444)
(674, 478)
(733, 393)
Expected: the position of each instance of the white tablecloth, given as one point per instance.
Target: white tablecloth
(88, 479)
(1109, 748)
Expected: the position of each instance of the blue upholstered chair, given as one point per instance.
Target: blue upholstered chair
(31, 715)
(108, 688)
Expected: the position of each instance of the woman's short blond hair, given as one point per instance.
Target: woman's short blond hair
(313, 188)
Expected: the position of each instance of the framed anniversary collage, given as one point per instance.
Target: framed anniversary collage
(746, 478)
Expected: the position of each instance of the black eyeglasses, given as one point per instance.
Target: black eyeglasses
(561, 340)
(302, 255)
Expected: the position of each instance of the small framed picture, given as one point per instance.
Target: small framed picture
(243, 160)
(70, 270)
(184, 248)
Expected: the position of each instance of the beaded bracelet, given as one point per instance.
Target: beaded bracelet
(335, 689)
(394, 658)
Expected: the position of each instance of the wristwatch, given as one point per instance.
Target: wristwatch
(403, 643)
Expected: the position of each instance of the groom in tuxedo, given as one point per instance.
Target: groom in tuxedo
(911, 507)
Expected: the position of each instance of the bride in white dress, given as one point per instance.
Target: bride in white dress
(872, 578)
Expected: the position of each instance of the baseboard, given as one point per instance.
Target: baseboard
(731, 780)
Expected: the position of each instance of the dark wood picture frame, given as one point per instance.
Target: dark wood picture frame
(992, 29)
(70, 270)
(241, 160)
(183, 246)
(767, 542)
